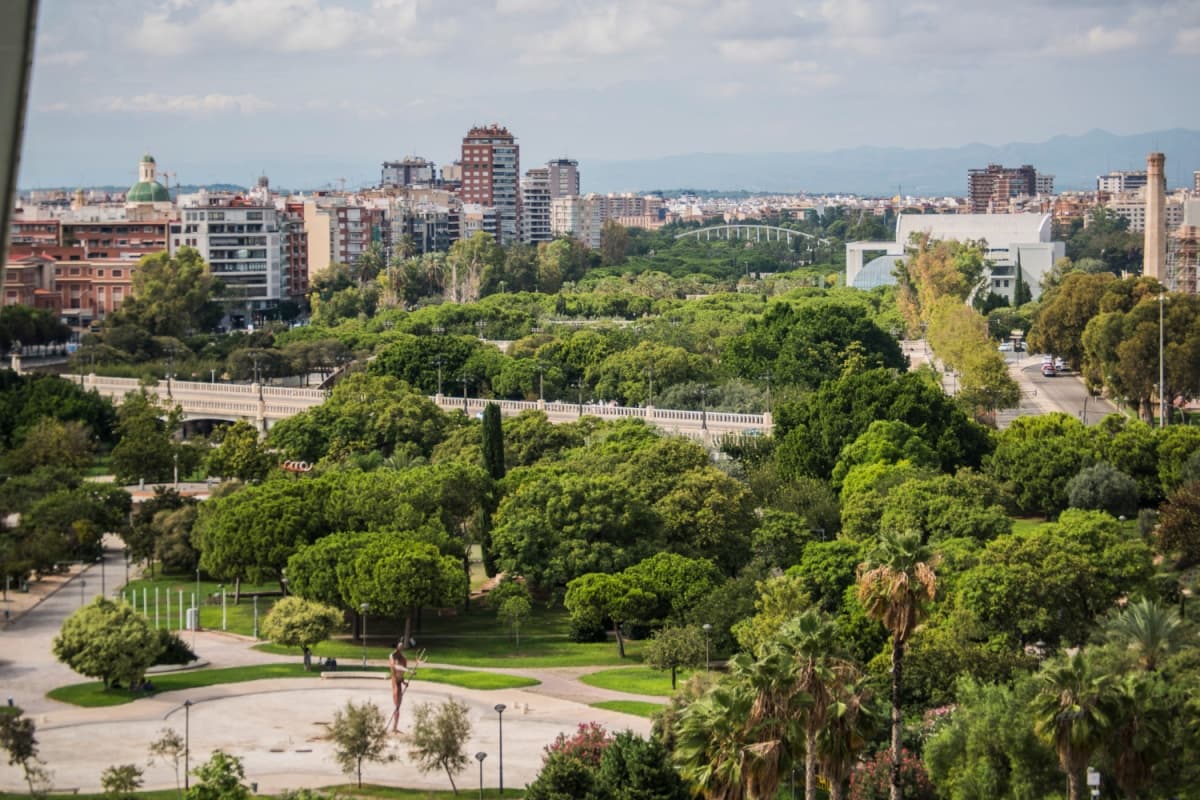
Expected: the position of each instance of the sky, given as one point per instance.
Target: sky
(313, 91)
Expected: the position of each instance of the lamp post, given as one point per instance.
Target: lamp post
(256, 617)
(480, 756)
(82, 584)
(707, 628)
(703, 408)
(363, 609)
(224, 618)
(126, 565)
(500, 712)
(439, 360)
(579, 385)
(100, 561)
(463, 379)
(541, 382)
(187, 739)
(1162, 383)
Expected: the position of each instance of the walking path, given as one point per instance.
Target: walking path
(278, 727)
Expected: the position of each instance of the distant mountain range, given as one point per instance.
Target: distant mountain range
(1075, 161)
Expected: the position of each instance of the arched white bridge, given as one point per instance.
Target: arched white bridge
(749, 233)
(263, 406)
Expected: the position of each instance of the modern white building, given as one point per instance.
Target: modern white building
(1010, 240)
(535, 206)
(242, 244)
(579, 217)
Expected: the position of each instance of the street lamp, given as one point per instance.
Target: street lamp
(363, 609)
(82, 583)
(223, 617)
(703, 408)
(463, 379)
(187, 739)
(500, 711)
(256, 617)
(100, 561)
(1162, 384)
(480, 756)
(707, 628)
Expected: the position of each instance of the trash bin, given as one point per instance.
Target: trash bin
(193, 619)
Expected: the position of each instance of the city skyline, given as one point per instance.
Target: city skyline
(221, 90)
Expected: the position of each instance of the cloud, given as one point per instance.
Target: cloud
(1187, 42)
(614, 30)
(288, 26)
(1099, 39)
(64, 58)
(187, 104)
(525, 6)
(757, 51)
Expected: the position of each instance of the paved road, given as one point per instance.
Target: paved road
(277, 726)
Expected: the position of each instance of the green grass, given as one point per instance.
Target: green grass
(638, 708)
(636, 680)
(239, 618)
(93, 694)
(1026, 524)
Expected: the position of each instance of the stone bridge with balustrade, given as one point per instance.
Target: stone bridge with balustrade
(263, 406)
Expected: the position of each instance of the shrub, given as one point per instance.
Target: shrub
(174, 649)
(1103, 487)
(873, 780)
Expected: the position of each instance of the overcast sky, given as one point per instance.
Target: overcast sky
(315, 90)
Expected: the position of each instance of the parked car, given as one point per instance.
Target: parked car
(1048, 370)
(1058, 364)
(1005, 347)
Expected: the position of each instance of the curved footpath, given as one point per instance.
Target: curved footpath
(279, 726)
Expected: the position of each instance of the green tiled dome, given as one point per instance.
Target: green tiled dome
(147, 192)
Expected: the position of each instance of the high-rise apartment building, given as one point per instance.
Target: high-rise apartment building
(988, 190)
(1121, 181)
(491, 170)
(1196, 181)
(241, 242)
(536, 194)
(563, 177)
(410, 171)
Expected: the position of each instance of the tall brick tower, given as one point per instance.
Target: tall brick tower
(1155, 264)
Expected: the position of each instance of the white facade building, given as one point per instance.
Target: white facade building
(1010, 239)
(535, 206)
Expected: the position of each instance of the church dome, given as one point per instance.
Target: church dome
(147, 192)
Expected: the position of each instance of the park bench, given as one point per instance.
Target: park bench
(348, 673)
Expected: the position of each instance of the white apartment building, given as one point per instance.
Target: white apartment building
(578, 217)
(536, 194)
(1120, 181)
(1132, 206)
(242, 244)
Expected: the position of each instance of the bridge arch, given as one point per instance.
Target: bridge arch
(748, 232)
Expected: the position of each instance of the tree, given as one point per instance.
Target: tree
(395, 577)
(146, 449)
(18, 737)
(121, 781)
(219, 778)
(1146, 631)
(439, 738)
(1035, 457)
(359, 733)
(1072, 713)
(1178, 529)
(885, 441)
(52, 443)
(1140, 733)
(633, 767)
(1103, 487)
(614, 242)
(513, 612)
(172, 295)
(894, 585)
(598, 596)
(1064, 313)
(674, 647)
(240, 454)
(107, 641)
(170, 747)
(296, 622)
(851, 720)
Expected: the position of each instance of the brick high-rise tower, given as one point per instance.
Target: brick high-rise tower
(491, 173)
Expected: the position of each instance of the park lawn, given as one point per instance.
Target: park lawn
(1026, 524)
(239, 618)
(636, 680)
(638, 708)
(93, 694)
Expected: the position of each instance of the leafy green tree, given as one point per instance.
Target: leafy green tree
(26, 399)
(219, 778)
(599, 596)
(439, 738)
(107, 641)
(240, 454)
(1178, 530)
(1177, 445)
(172, 295)
(1073, 713)
(1065, 312)
(564, 777)
(675, 647)
(635, 767)
(145, 450)
(884, 441)
(966, 504)
(895, 583)
(121, 780)
(296, 622)
(679, 583)
(1103, 487)
(169, 747)
(18, 737)
(51, 443)
(359, 733)
(70, 523)
(1035, 457)
(707, 514)
(396, 576)
(513, 612)
(614, 242)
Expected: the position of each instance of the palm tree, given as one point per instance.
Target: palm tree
(1148, 631)
(710, 742)
(811, 641)
(894, 585)
(1072, 712)
(1139, 731)
(850, 722)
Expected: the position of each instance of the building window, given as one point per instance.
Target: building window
(116, 273)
